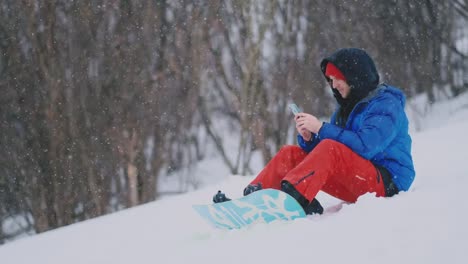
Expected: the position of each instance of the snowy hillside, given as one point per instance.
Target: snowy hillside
(428, 224)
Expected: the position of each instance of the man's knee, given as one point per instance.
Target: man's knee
(328, 145)
(289, 150)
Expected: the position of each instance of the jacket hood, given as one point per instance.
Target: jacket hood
(358, 68)
(387, 90)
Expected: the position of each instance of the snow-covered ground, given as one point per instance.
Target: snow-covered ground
(428, 224)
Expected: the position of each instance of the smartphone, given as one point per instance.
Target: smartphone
(294, 108)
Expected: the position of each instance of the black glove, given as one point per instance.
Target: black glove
(252, 188)
(220, 197)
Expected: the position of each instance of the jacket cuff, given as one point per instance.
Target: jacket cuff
(307, 146)
(327, 131)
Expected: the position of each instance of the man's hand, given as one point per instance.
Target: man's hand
(306, 134)
(307, 123)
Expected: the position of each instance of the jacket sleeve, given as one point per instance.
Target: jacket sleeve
(308, 146)
(379, 126)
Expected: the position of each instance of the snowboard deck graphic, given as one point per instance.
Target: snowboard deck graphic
(262, 206)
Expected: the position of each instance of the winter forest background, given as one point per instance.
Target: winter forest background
(101, 98)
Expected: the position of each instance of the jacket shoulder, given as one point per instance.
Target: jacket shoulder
(387, 95)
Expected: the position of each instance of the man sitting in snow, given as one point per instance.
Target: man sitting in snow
(365, 148)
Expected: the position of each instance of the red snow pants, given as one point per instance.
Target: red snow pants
(330, 167)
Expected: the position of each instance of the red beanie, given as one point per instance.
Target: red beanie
(333, 70)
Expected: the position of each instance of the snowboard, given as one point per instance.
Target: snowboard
(263, 206)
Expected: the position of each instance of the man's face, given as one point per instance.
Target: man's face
(341, 86)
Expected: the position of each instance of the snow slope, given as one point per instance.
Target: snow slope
(428, 224)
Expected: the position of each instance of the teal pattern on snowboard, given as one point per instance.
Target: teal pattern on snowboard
(262, 206)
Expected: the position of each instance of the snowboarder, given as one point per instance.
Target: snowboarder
(365, 148)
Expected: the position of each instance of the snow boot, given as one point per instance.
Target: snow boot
(220, 197)
(310, 208)
(252, 188)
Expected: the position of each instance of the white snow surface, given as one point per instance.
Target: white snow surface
(427, 224)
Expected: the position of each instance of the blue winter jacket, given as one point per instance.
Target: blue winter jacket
(377, 130)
